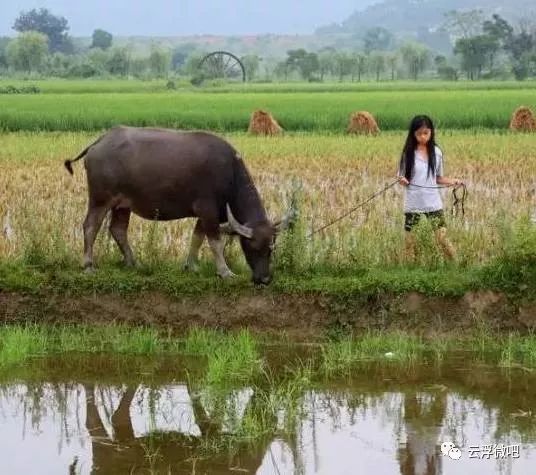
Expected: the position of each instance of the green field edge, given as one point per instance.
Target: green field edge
(517, 280)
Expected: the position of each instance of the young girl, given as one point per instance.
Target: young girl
(421, 172)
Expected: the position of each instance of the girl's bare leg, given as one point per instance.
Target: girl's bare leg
(409, 246)
(446, 246)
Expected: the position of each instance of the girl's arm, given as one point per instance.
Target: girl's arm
(443, 180)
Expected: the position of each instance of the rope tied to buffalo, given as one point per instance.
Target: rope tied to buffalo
(458, 202)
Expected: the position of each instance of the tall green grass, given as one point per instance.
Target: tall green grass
(20, 342)
(344, 354)
(239, 356)
(299, 111)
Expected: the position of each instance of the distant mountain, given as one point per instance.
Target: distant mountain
(409, 17)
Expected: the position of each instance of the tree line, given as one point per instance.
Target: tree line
(483, 48)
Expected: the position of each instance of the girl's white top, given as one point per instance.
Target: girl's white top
(424, 200)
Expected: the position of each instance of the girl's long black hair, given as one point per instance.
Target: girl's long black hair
(407, 160)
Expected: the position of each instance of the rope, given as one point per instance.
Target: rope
(458, 201)
(363, 203)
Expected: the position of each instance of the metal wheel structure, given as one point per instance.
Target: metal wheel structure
(222, 65)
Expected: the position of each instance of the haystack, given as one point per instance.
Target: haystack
(362, 122)
(523, 120)
(262, 123)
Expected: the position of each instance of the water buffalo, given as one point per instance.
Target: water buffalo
(162, 174)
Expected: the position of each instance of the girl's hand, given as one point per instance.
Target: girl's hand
(457, 182)
(403, 180)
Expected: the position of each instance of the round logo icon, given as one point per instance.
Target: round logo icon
(446, 447)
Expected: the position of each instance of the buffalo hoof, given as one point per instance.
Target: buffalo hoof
(191, 267)
(226, 274)
(129, 264)
(262, 282)
(89, 270)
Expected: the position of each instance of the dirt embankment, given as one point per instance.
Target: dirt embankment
(299, 315)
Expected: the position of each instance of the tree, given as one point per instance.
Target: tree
(159, 61)
(521, 48)
(309, 66)
(118, 62)
(191, 66)
(180, 55)
(416, 58)
(392, 62)
(326, 63)
(463, 24)
(359, 61)
(178, 59)
(140, 67)
(343, 64)
(378, 39)
(99, 59)
(28, 51)
(476, 53)
(101, 39)
(251, 64)
(444, 70)
(58, 64)
(4, 41)
(282, 70)
(377, 63)
(499, 29)
(53, 27)
(306, 63)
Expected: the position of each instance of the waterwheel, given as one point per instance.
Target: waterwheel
(222, 65)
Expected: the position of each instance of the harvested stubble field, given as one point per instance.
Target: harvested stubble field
(45, 206)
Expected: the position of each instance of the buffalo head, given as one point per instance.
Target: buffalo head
(257, 242)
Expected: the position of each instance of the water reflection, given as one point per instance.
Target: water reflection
(375, 426)
(423, 420)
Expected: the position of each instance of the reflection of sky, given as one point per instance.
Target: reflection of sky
(49, 447)
(337, 440)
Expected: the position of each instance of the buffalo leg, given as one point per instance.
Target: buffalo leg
(209, 223)
(198, 236)
(92, 224)
(217, 245)
(118, 230)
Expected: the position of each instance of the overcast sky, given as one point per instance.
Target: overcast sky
(186, 17)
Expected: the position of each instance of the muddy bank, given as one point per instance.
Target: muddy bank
(302, 315)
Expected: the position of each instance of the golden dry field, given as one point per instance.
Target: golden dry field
(42, 207)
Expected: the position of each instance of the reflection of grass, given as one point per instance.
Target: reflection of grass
(273, 409)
